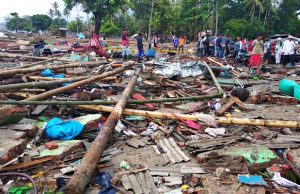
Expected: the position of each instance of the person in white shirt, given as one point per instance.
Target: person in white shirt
(288, 52)
(278, 51)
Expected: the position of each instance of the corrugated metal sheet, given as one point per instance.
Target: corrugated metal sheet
(172, 151)
(140, 183)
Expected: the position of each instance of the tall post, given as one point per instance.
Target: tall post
(150, 21)
(81, 178)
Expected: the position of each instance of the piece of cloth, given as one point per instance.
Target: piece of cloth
(62, 130)
(252, 180)
(103, 179)
(284, 182)
(288, 47)
(257, 47)
(255, 60)
(49, 73)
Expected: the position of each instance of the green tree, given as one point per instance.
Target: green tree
(99, 8)
(109, 28)
(75, 26)
(13, 21)
(235, 27)
(41, 22)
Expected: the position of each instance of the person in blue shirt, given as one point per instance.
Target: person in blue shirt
(175, 42)
(140, 47)
(219, 46)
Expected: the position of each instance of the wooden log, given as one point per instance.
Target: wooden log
(220, 120)
(103, 102)
(225, 107)
(82, 176)
(8, 73)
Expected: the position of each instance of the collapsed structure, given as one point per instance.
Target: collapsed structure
(79, 122)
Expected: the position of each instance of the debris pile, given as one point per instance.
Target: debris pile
(83, 123)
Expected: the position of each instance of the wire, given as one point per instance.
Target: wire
(22, 175)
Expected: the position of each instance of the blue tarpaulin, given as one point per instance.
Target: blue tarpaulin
(58, 129)
(252, 180)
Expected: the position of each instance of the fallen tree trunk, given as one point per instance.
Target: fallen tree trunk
(8, 73)
(81, 178)
(103, 102)
(220, 120)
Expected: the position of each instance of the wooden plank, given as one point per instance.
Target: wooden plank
(225, 107)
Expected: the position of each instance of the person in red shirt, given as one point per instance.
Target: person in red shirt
(125, 45)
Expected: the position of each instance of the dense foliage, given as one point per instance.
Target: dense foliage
(244, 18)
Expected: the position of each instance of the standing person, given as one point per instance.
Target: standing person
(237, 46)
(255, 59)
(278, 51)
(201, 47)
(206, 45)
(125, 45)
(140, 47)
(154, 41)
(175, 42)
(181, 43)
(288, 51)
(227, 45)
(267, 51)
(219, 47)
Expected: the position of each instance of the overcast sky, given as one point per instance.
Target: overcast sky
(30, 7)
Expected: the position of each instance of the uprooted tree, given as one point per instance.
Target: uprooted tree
(99, 8)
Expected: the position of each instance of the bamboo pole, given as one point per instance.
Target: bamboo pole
(103, 102)
(11, 72)
(220, 120)
(221, 65)
(8, 55)
(89, 162)
(60, 90)
(213, 77)
(33, 64)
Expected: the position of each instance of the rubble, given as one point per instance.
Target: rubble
(174, 124)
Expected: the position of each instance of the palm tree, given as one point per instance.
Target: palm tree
(51, 13)
(253, 5)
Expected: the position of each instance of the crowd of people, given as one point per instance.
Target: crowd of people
(260, 49)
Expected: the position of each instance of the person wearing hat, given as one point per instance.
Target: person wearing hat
(288, 51)
(278, 51)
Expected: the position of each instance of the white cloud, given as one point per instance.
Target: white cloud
(31, 7)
